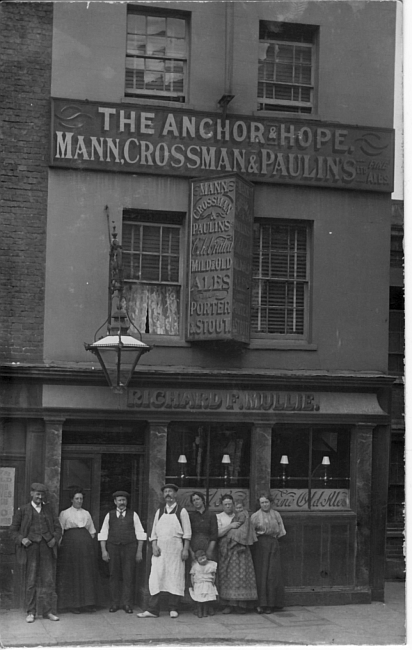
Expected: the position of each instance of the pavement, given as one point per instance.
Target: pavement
(374, 624)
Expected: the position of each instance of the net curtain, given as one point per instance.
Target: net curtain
(153, 308)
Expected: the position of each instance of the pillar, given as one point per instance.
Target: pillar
(363, 494)
(53, 459)
(156, 462)
(34, 454)
(260, 461)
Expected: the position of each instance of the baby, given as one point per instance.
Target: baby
(244, 535)
(203, 590)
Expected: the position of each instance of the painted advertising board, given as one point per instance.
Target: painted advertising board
(181, 142)
(7, 482)
(220, 262)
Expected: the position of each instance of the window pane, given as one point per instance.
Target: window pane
(176, 27)
(176, 47)
(294, 444)
(156, 25)
(154, 64)
(136, 24)
(136, 44)
(153, 81)
(174, 82)
(192, 441)
(156, 46)
(151, 239)
(284, 73)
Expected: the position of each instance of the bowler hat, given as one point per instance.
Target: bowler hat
(121, 493)
(172, 486)
(38, 487)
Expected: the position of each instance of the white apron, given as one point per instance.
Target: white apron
(168, 570)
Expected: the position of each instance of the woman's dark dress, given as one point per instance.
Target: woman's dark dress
(266, 560)
(204, 529)
(77, 575)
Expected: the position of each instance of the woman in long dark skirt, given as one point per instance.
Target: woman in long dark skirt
(77, 575)
(269, 527)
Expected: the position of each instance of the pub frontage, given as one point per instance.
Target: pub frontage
(251, 257)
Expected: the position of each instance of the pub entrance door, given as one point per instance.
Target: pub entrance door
(100, 471)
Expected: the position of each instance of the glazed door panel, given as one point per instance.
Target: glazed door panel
(100, 471)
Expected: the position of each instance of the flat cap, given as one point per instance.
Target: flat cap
(121, 493)
(172, 486)
(38, 487)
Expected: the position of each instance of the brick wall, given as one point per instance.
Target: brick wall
(25, 77)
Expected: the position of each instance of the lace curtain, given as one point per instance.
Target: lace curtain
(155, 305)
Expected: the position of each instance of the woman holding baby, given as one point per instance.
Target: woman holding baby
(237, 583)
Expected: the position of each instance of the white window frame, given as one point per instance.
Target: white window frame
(260, 280)
(293, 105)
(155, 94)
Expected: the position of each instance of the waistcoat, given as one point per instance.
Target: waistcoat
(121, 529)
(39, 528)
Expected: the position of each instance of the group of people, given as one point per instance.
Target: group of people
(234, 557)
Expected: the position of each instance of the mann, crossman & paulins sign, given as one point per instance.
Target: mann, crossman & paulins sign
(153, 140)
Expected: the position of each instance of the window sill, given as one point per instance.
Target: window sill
(301, 117)
(267, 344)
(165, 341)
(156, 102)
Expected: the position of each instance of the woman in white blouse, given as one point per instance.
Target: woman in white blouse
(77, 573)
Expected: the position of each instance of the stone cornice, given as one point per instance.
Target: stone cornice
(84, 374)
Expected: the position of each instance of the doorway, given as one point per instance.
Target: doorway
(103, 457)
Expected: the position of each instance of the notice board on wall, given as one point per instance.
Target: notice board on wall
(220, 267)
(7, 483)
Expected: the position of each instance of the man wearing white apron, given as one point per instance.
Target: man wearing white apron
(170, 539)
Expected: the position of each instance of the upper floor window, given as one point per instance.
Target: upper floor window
(280, 279)
(156, 55)
(286, 67)
(152, 270)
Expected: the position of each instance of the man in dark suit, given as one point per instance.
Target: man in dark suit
(121, 539)
(36, 532)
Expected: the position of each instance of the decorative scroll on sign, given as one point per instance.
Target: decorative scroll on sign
(221, 233)
(321, 499)
(7, 480)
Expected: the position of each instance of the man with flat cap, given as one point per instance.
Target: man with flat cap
(170, 539)
(121, 539)
(36, 532)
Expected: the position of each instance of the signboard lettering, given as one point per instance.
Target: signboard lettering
(92, 135)
(213, 400)
(221, 230)
(321, 499)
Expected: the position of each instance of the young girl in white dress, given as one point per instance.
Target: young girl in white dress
(203, 590)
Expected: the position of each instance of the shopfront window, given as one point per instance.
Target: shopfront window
(310, 468)
(213, 455)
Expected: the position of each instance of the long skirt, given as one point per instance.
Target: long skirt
(236, 573)
(268, 570)
(77, 576)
